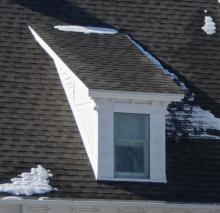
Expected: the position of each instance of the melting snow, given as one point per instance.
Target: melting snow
(209, 26)
(34, 182)
(86, 29)
(172, 76)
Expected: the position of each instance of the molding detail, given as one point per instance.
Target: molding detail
(35, 209)
(140, 97)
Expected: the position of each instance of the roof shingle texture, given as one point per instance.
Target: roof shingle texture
(108, 62)
(172, 31)
(37, 125)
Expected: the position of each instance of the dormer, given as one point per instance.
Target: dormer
(128, 134)
(119, 99)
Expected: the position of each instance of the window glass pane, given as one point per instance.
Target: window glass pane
(131, 135)
(129, 159)
(130, 126)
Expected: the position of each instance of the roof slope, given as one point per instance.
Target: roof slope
(169, 29)
(108, 62)
(172, 31)
(36, 123)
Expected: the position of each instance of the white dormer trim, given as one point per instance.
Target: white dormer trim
(134, 96)
(106, 109)
(94, 110)
(155, 104)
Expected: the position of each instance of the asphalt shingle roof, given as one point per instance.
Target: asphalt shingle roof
(171, 30)
(37, 125)
(108, 62)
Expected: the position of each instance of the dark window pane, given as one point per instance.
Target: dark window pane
(129, 159)
(132, 144)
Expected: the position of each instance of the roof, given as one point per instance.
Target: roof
(172, 32)
(37, 125)
(108, 62)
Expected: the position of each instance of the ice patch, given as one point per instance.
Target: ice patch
(34, 182)
(209, 26)
(156, 62)
(86, 29)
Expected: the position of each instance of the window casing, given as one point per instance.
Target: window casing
(155, 171)
(131, 145)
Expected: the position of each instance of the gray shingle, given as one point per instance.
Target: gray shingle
(109, 62)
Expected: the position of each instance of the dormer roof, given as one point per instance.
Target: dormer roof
(108, 62)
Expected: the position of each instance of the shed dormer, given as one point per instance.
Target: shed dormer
(119, 99)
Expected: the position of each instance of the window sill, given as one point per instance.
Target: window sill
(133, 180)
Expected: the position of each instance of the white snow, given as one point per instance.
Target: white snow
(199, 121)
(86, 29)
(43, 198)
(209, 27)
(34, 182)
(156, 62)
(204, 119)
(12, 198)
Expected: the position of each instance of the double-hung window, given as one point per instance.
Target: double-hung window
(131, 145)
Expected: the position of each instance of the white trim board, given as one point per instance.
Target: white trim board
(138, 96)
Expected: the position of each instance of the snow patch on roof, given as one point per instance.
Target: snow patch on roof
(86, 29)
(209, 27)
(205, 120)
(189, 120)
(156, 62)
(12, 198)
(43, 198)
(34, 182)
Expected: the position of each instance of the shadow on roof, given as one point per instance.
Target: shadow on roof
(63, 10)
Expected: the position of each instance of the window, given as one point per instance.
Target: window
(131, 145)
(124, 133)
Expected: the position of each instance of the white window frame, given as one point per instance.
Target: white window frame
(156, 111)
